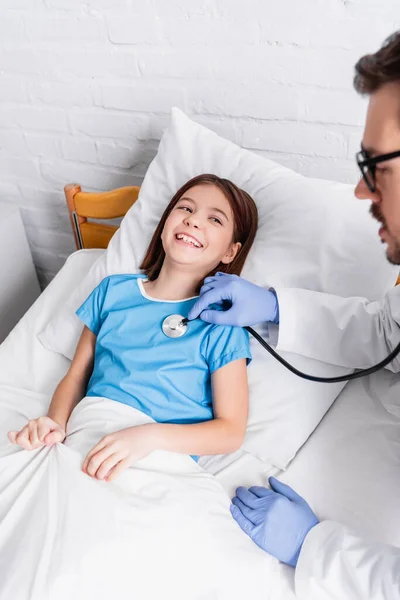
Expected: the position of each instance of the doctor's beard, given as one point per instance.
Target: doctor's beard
(393, 246)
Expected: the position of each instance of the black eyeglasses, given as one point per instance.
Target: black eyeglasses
(367, 165)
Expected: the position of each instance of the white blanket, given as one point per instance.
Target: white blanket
(162, 530)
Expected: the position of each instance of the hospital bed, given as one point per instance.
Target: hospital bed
(348, 470)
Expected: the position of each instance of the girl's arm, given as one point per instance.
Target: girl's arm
(72, 387)
(225, 433)
(51, 429)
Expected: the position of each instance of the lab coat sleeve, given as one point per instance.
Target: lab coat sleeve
(348, 332)
(334, 564)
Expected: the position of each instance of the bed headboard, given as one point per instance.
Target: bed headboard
(97, 205)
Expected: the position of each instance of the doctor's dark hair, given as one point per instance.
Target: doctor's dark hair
(245, 222)
(375, 70)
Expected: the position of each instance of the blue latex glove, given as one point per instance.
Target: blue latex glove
(277, 520)
(250, 304)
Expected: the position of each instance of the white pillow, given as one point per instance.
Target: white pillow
(312, 234)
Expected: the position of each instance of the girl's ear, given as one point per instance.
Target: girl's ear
(232, 253)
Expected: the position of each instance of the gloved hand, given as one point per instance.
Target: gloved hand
(277, 520)
(251, 304)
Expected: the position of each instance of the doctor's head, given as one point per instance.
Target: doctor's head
(208, 226)
(378, 76)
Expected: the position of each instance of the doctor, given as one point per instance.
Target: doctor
(331, 561)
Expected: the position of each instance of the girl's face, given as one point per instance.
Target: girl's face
(199, 230)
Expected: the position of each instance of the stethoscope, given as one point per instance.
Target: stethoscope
(175, 326)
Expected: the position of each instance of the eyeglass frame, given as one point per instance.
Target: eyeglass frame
(369, 162)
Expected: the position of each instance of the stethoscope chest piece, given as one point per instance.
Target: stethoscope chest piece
(173, 327)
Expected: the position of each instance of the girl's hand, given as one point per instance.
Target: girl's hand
(38, 432)
(118, 451)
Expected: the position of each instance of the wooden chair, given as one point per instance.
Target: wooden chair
(97, 205)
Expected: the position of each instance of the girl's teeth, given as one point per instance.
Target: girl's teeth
(188, 241)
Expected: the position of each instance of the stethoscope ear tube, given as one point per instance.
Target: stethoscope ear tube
(349, 377)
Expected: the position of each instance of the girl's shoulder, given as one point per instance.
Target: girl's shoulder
(120, 278)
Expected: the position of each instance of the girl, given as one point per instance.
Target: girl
(195, 386)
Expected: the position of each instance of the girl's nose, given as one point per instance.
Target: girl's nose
(193, 220)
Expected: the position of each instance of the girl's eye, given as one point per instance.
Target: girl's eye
(216, 220)
(185, 208)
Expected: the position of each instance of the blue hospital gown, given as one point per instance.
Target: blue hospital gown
(137, 364)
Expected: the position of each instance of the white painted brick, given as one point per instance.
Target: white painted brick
(295, 138)
(88, 62)
(286, 64)
(47, 219)
(333, 169)
(42, 198)
(24, 60)
(83, 30)
(43, 145)
(188, 8)
(63, 94)
(109, 124)
(45, 259)
(143, 97)
(209, 31)
(60, 173)
(12, 90)
(9, 192)
(31, 117)
(234, 100)
(20, 4)
(20, 169)
(224, 126)
(331, 106)
(73, 5)
(79, 149)
(323, 168)
(135, 30)
(262, 10)
(135, 156)
(46, 239)
(117, 155)
(192, 63)
(11, 29)
(12, 143)
(354, 142)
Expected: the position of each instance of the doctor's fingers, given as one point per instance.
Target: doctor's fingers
(216, 277)
(206, 288)
(256, 517)
(251, 500)
(212, 296)
(259, 491)
(246, 525)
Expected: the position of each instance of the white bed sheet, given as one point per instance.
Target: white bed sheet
(163, 529)
(349, 469)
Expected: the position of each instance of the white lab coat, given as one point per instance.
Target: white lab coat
(334, 562)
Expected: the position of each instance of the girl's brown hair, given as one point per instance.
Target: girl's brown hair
(245, 217)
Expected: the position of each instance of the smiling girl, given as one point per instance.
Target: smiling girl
(194, 387)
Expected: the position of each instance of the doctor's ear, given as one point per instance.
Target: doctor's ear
(232, 253)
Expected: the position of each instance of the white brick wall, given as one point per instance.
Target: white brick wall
(86, 87)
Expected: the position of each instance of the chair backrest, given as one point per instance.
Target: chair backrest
(97, 205)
